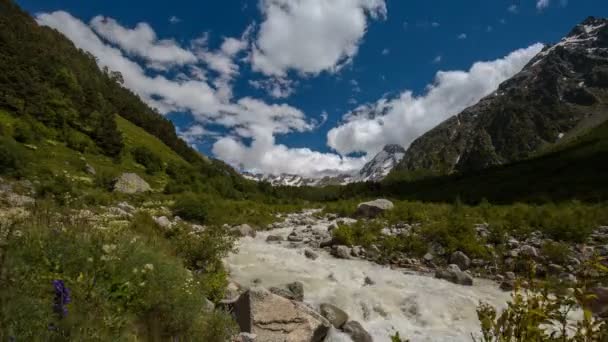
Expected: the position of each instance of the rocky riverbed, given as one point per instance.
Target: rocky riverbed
(382, 299)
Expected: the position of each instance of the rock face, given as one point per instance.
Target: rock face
(276, 319)
(356, 332)
(373, 208)
(558, 91)
(382, 164)
(336, 316)
(131, 183)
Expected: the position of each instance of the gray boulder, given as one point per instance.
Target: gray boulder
(90, 169)
(528, 251)
(273, 318)
(453, 274)
(341, 251)
(356, 332)
(163, 222)
(374, 208)
(274, 238)
(336, 316)
(460, 259)
(131, 183)
(310, 254)
(243, 230)
(293, 291)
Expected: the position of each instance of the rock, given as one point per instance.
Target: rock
(555, 269)
(428, 257)
(332, 227)
(16, 200)
(131, 183)
(357, 251)
(118, 212)
(356, 332)
(310, 254)
(368, 281)
(243, 230)
(598, 304)
(453, 274)
(293, 291)
(342, 252)
(90, 169)
(295, 238)
(163, 222)
(510, 275)
(528, 251)
(208, 305)
(245, 337)
(460, 259)
(274, 238)
(336, 316)
(507, 285)
(374, 208)
(126, 207)
(276, 319)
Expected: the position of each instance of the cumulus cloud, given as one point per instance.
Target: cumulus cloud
(142, 41)
(311, 36)
(276, 87)
(542, 4)
(402, 119)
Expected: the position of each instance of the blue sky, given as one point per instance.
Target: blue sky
(331, 56)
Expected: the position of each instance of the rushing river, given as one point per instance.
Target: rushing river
(421, 308)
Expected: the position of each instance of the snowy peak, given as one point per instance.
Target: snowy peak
(382, 164)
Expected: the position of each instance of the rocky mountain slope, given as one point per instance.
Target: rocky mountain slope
(561, 92)
(373, 171)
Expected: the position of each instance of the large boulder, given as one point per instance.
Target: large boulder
(243, 230)
(453, 274)
(356, 332)
(336, 316)
(460, 259)
(293, 291)
(373, 208)
(341, 251)
(131, 183)
(276, 319)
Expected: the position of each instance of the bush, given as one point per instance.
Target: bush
(192, 207)
(77, 141)
(23, 132)
(11, 157)
(147, 158)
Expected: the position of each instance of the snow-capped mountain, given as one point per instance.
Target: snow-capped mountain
(382, 164)
(375, 170)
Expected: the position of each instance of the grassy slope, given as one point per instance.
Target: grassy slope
(56, 157)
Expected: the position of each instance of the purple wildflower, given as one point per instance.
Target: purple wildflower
(62, 298)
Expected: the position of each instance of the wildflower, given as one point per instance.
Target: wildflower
(62, 298)
(149, 267)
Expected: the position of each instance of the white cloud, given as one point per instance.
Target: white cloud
(174, 20)
(401, 120)
(462, 36)
(437, 59)
(435, 24)
(141, 41)
(513, 8)
(311, 36)
(276, 87)
(542, 4)
(386, 51)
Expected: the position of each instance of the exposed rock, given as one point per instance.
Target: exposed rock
(243, 230)
(208, 305)
(507, 285)
(369, 281)
(163, 222)
(336, 316)
(126, 207)
(374, 208)
(453, 274)
(460, 259)
(90, 169)
(356, 332)
(295, 238)
(428, 257)
(16, 200)
(310, 254)
(245, 337)
(131, 183)
(293, 291)
(274, 238)
(342, 252)
(528, 251)
(276, 319)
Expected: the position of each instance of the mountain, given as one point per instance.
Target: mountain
(382, 164)
(561, 92)
(373, 171)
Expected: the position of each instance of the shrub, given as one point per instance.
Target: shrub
(77, 141)
(192, 207)
(556, 252)
(11, 157)
(147, 158)
(23, 132)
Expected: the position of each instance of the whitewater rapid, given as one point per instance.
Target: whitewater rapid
(420, 308)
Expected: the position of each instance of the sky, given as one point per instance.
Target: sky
(311, 87)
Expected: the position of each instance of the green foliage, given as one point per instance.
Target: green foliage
(360, 233)
(397, 338)
(147, 158)
(556, 252)
(77, 141)
(11, 157)
(106, 135)
(192, 207)
(23, 132)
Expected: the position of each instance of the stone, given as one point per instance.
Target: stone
(598, 304)
(357, 251)
(293, 291)
(428, 257)
(341, 251)
(374, 208)
(163, 222)
(460, 259)
(368, 281)
(274, 238)
(310, 254)
(245, 337)
(90, 169)
(16, 200)
(453, 274)
(295, 238)
(276, 319)
(528, 251)
(126, 207)
(131, 183)
(336, 316)
(507, 285)
(208, 305)
(356, 332)
(243, 230)
(555, 269)
(510, 275)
